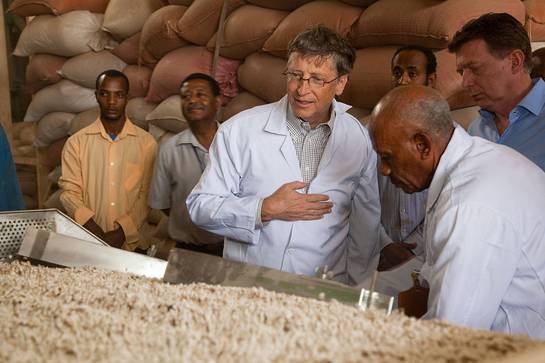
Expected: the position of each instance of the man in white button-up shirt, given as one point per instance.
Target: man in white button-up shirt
(485, 220)
(292, 185)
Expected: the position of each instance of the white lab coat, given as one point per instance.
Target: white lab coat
(252, 156)
(485, 238)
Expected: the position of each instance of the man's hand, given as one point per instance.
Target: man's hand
(289, 205)
(94, 228)
(115, 238)
(394, 255)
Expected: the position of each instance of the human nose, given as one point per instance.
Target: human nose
(303, 85)
(467, 79)
(404, 79)
(111, 99)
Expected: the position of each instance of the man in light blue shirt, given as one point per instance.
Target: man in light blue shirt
(402, 214)
(493, 55)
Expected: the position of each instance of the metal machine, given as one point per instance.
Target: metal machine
(50, 237)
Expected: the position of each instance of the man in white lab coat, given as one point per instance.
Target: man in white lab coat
(292, 185)
(484, 227)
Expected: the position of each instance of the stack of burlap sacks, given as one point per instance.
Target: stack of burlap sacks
(157, 43)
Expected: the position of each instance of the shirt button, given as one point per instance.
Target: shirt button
(112, 163)
(112, 204)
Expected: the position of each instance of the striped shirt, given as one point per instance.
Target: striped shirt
(309, 143)
(402, 215)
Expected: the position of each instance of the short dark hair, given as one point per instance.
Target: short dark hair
(501, 32)
(112, 73)
(431, 61)
(214, 85)
(321, 41)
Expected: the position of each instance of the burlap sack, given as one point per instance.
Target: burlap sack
(83, 119)
(41, 71)
(26, 8)
(465, 116)
(178, 64)
(160, 135)
(286, 5)
(25, 133)
(360, 3)
(335, 15)
(371, 78)
(246, 30)
(53, 155)
(54, 175)
(168, 115)
(63, 96)
(243, 101)
(137, 110)
(139, 78)
(124, 18)
(127, 50)
(53, 126)
(261, 74)
(67, 35)
(85, 68)
(429, 23)
(201, 19)
(535, 19)
(362, 114)
(159, 34)
(54, 201)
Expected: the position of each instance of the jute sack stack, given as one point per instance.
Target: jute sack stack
(25, 8)
(137, 110)
(124, 18)
(535, 20)
(261, 74)
(241, 102)
(335, 15)
(66, 35)
(84, 69)
(63, 96)
(160, 34)
(52, 127)
(371, 78)
(246, 30)
(128, 49)
(201, 19)
(42, 71)
(179, 63)
(139, 79)
(429, 23)
(168, 115)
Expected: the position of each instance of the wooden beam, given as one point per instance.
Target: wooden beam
(5, 97)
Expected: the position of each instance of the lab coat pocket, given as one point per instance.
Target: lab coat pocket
(132, 176)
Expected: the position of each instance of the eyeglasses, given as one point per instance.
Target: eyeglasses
(313, 82)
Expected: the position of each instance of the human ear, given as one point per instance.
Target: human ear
(517, 60)
(341, 83)
(432, 78)
(422, 143)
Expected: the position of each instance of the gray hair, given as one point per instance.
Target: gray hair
(323, 42)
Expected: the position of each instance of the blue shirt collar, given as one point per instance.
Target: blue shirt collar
(532, 102)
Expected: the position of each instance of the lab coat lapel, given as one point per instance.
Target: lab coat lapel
(334, 139)
(277, 125)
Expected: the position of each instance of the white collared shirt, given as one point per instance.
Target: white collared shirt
(485, 238)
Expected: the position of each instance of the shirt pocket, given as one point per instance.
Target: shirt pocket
(132, 176)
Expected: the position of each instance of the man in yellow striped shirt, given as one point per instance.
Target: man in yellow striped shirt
(107, 169)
